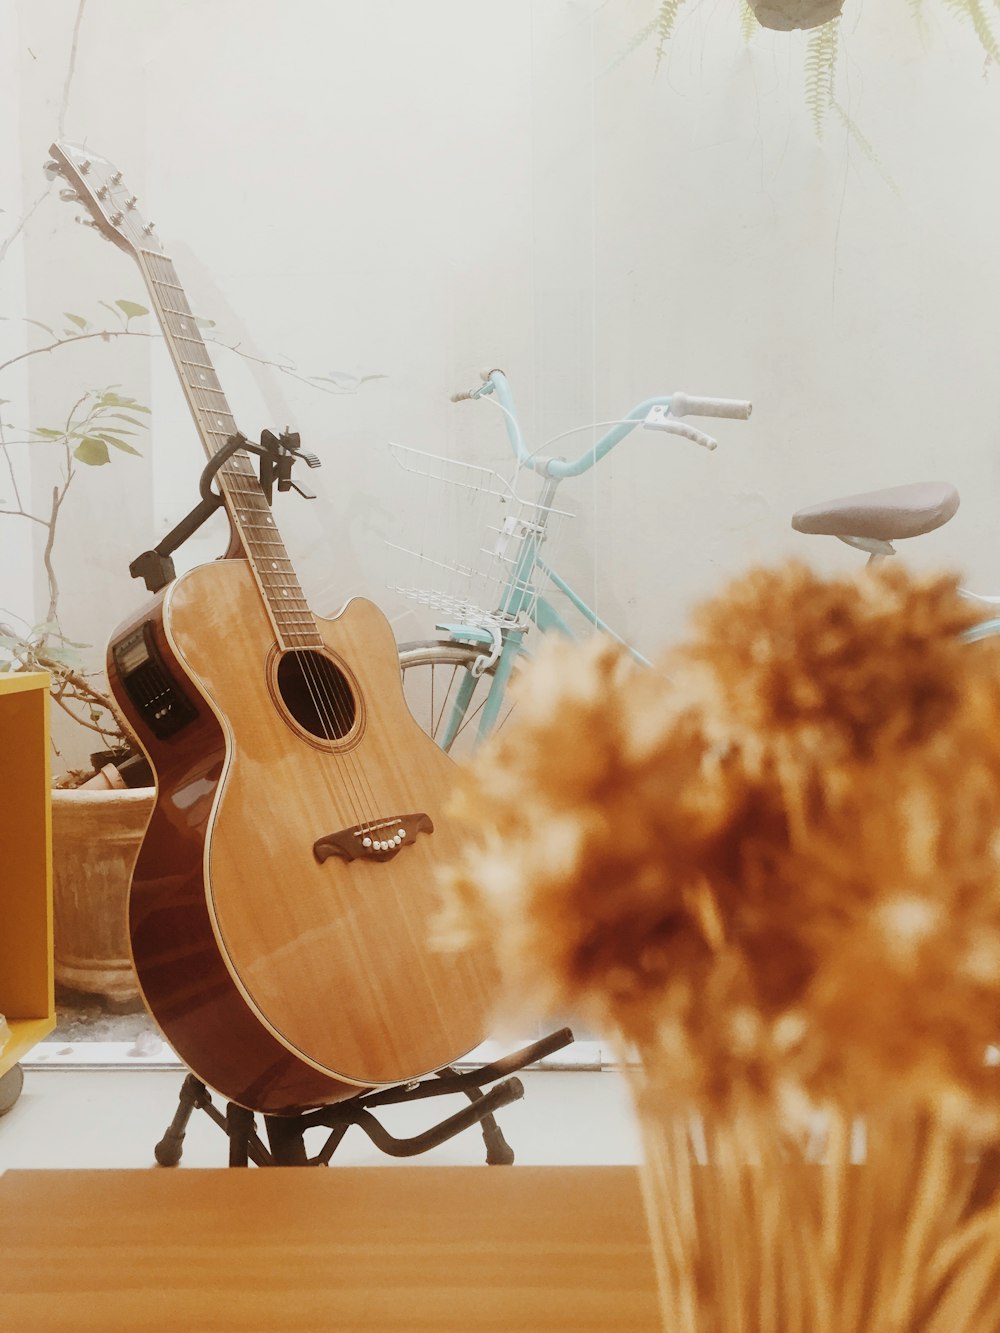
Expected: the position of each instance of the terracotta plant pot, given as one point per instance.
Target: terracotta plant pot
(95, 840)
(784, 15)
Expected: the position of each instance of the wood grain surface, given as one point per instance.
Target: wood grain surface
(369, 1248)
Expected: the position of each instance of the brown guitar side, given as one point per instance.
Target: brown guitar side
(282, 980)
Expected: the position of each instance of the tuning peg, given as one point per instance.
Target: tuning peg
(149, 228)
(70, 196)
(88, 222)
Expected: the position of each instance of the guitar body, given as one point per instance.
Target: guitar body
(288, 971)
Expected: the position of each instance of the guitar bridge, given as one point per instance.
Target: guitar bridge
(378, 841)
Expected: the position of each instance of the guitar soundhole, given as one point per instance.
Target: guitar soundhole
(317, 694)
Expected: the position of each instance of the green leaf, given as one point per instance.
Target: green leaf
(62, 655)
(38, 324)
(132, 310)
(92, 451)
(117, 443)
(122, 416)
(50, 434)
(111, 399)
(78, 320)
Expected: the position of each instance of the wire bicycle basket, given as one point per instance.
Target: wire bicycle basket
(475, 559)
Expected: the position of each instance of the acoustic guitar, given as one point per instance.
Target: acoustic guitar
(282, 902)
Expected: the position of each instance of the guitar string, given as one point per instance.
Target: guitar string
(329, 712)
(333, 718)
(332, 715)
(332, 710)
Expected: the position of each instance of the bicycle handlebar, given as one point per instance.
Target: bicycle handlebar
(657, 413)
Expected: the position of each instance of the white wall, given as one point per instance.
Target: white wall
(415, 191)
(15, 533)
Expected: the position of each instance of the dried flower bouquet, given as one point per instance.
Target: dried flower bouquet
(769, 869)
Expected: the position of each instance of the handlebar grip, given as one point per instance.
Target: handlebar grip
(461, 397)
(683, 405)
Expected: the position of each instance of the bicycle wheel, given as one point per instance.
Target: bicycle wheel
(433, 672)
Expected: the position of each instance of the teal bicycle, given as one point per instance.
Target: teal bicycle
(456, 685)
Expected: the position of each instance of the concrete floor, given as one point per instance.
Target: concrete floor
(113, 1117)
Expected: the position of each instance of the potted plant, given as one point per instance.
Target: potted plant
(821, 19)
(99, 811)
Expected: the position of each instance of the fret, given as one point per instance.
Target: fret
(238, 492)
(248, 509)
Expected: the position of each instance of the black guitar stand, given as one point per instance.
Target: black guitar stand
(285, 1134)
(277, 454)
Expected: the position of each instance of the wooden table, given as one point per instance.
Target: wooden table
(355, 1248)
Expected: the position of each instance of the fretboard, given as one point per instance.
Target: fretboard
(248, 509)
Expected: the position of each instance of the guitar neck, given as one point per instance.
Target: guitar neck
(248, 509)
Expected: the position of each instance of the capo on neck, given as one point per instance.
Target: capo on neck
(277, 454)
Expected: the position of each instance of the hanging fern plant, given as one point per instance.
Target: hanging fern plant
(821, 68)
(822, 18)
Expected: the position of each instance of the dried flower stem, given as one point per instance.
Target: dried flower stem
(756, 1242)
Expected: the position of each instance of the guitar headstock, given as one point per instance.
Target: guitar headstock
(98, 184)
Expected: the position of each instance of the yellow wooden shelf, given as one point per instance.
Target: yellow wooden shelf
(26, 982)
